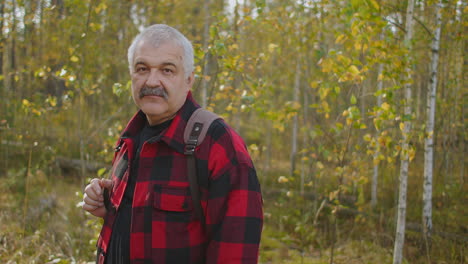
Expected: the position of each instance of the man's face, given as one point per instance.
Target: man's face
(159, 85)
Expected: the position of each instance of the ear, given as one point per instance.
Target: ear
(190, 80)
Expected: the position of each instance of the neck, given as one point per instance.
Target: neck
(156, 121)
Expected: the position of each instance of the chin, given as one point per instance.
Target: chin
(154, 109)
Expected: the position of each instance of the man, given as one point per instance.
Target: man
(149, 216)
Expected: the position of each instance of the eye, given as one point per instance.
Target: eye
(167, 71)
(141, 69)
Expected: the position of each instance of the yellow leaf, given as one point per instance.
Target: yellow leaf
(25, 102)
(402, 126)
(367, 137)
(385, 106)
(430, 134)
(320, 165)
(314, 85)
(272, 47)
(36, 112)
(354, 70)
(253, 147)
(375, 4)
(340, 39)
(325, 105)
(357, 46)
(74, 58)
(52, 101)
(411, 153)
(282, 179)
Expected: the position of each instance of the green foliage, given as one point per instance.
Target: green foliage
(65, 92)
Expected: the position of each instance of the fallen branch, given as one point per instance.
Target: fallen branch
(67, 165)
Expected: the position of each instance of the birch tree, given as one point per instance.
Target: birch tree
(429, 140)
(405, 148)
(375, 173)
(206, 39)
(297, 83)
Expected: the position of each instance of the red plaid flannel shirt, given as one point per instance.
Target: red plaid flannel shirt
(164, 228)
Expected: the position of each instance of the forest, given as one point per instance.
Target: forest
(354, 112)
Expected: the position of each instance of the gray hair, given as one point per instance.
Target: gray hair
(159, 34)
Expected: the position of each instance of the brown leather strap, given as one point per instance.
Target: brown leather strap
(203, 117)
(194, 190)
(194, 134)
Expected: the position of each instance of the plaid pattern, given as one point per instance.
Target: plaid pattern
(164, 227)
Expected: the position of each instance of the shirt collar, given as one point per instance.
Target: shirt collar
(174, 134)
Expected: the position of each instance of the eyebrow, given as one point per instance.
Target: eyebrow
(166, 63)
(169, 64)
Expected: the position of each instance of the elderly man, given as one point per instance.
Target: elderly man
(147, 205)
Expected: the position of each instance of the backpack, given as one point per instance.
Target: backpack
(194, 134)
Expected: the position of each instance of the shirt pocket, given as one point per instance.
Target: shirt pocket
(172, 198)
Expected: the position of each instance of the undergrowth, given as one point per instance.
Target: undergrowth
(42, 222)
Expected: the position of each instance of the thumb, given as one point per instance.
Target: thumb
(106, 183)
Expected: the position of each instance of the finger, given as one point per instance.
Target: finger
(88, 200)
(96, 186)
(93, 190)
(106, 183)
(89, 207)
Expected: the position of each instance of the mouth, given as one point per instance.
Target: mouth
(158, 91)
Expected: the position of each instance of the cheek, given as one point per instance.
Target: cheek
(135, 92)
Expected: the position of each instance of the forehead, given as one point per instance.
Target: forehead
(146, 52)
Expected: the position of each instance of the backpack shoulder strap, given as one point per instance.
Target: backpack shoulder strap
(194, 134)
(196, 129)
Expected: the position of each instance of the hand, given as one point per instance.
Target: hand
(93, 199)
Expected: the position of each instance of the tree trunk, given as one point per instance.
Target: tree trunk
(236, 83)
(375, 175)
(10, 70)
(207, 61)
(295, 118)
(305, 143)
(268, 150)
(460, 65)
(2, 38)
(429, 141)
(3, 90)
(401, 218)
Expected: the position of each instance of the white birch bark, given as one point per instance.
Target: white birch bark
(401, 218)
(206, 68)
(429, 140)
(375, 175)
(297, 84)
(304, 142)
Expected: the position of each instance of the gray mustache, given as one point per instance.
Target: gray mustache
(158, 91)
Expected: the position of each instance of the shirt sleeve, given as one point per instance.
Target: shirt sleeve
(234, 206)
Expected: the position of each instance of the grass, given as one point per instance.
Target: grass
(47, 226)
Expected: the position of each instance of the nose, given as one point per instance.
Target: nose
(154, 79)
